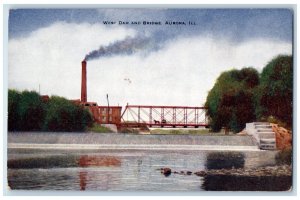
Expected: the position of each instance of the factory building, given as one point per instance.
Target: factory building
(110, 115)
(101, 114)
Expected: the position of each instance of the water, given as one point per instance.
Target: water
(125, 170)
(120, 170)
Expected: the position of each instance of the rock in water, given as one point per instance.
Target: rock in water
(166, 171)
(201, 173)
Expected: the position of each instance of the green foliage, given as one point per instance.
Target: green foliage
(284, 157)
(241, 96)
(230, 101)
(62, 115)
(13, 113)
(275, 96)
(31, 111)
(272, 119)
(28, 112)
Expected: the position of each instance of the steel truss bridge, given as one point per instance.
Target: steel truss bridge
(164, 116)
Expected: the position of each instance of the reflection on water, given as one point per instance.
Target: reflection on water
(95, 161)
(64, 161)
(225, 160)
(82, 178)
(43, 162)
(87, 161)
(246, 183)
(125, 170)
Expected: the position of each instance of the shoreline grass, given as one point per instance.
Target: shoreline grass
(182, 132)
(96, 128)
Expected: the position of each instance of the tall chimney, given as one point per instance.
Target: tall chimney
(83, 82)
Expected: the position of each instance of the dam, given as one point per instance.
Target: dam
(128, 141)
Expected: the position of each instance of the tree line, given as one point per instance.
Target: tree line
(242, 96)
(28, 111)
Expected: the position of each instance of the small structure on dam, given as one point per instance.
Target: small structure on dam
(263, 133)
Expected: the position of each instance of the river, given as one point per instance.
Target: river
(131, 169)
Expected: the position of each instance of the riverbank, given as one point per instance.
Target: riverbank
(281, 170)
(278, 170)
(267, 178)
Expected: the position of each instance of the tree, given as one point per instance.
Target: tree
(275, 97)
(13, 107)
(28, 112)
(62, 115)
(230, 101)
(31, 111)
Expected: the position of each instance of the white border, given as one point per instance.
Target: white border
(149, 3)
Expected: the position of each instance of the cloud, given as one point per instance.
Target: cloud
(51, 56)
(180, 73)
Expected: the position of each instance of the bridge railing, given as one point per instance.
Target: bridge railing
(165, 116)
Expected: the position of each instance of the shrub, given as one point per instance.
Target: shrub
(27, 112)
(284, 156)
(62, 115)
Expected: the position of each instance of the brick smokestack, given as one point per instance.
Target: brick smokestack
(83, 82)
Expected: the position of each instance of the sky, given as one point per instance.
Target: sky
(140, 64)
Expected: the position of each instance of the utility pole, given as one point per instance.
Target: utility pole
(107, 108)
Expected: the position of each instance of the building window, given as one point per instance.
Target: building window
(103, 118)
(104, 111)
(110, 118)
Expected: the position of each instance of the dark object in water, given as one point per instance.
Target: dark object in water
(166, 171)
(201, 173)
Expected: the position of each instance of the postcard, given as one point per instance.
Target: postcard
(163, 99)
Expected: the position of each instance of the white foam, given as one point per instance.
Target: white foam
(131, 147)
